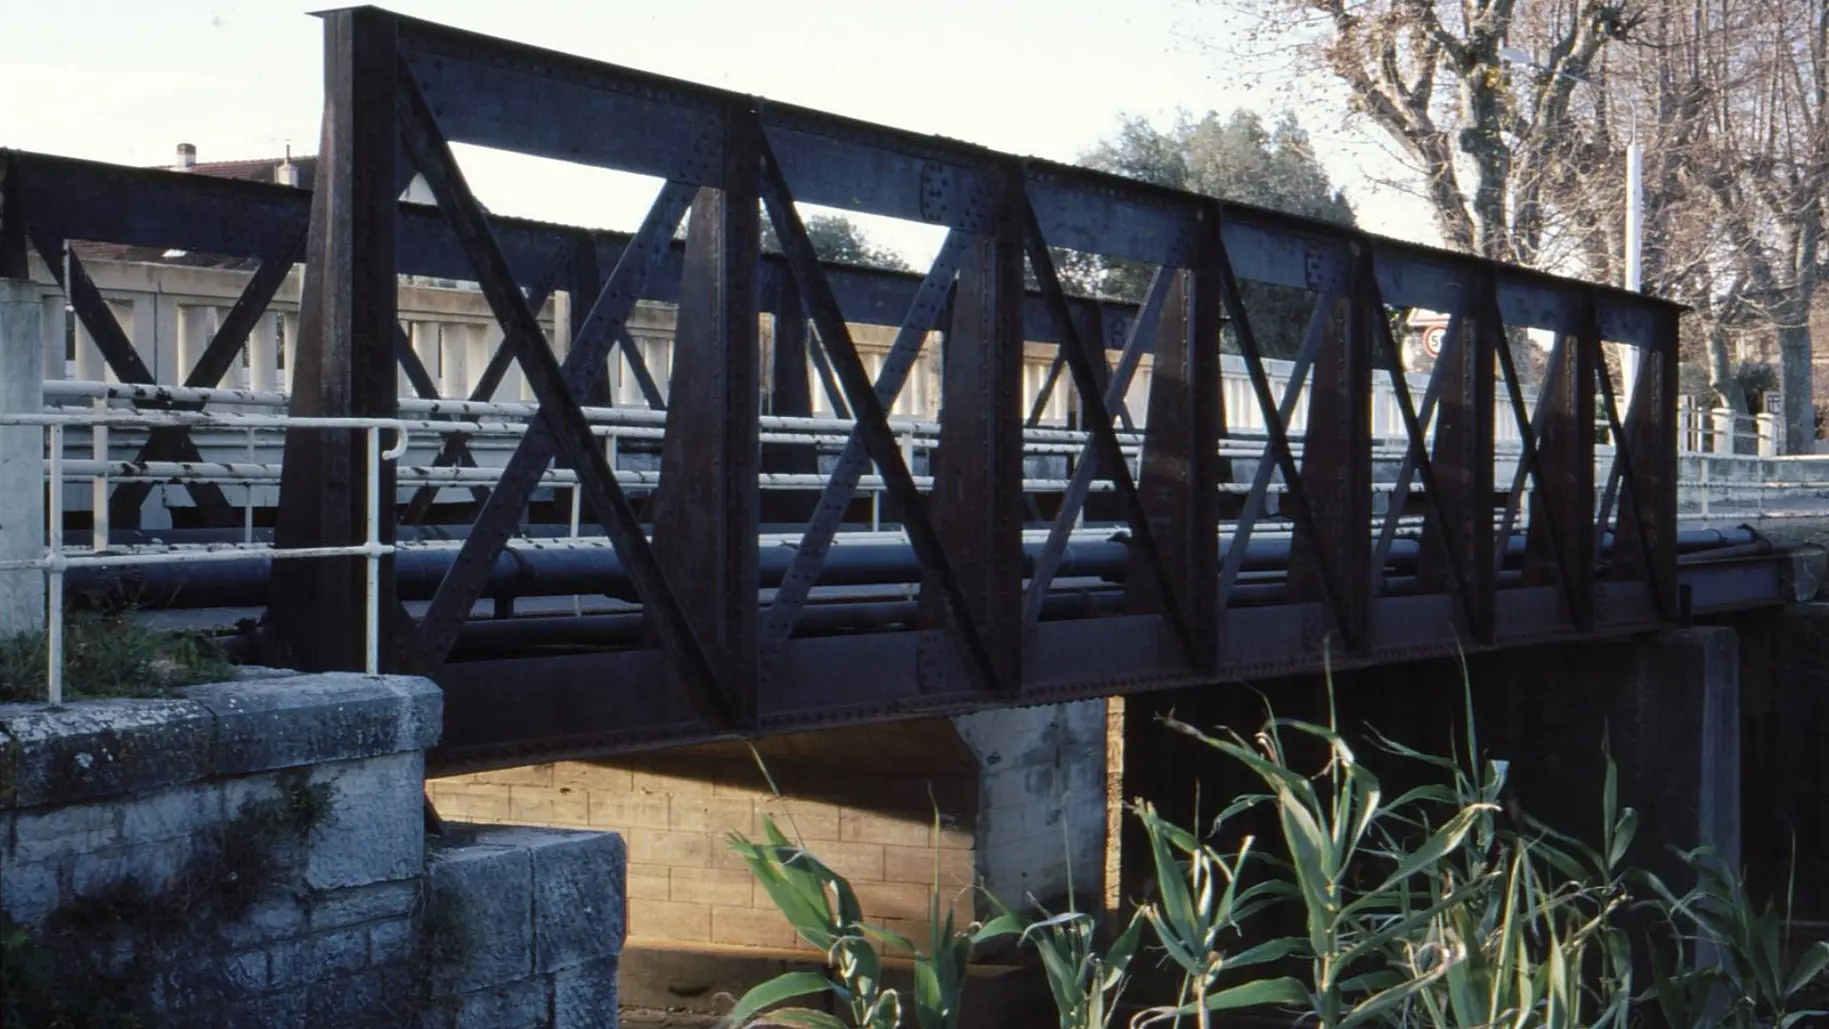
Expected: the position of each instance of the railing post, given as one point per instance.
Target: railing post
(1724, 419)
(22, 521)
(1770, 434)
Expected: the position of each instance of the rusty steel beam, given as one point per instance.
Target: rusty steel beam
(68, 198)
(128, 366)
(706, 510)
(346, 364)
(565, 429)
(809, 556)
(1187, 617)
(1458, 538)
(515, 711)
(559, 105)
(872, 430)
(977, 499)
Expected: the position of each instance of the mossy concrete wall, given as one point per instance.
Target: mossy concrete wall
(256, 853)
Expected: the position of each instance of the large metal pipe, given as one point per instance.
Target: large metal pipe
(483, 639)
(558, 568)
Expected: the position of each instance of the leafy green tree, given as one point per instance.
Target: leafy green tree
(1235, 158)
(835, 238)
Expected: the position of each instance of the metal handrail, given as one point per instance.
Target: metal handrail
(54, 561)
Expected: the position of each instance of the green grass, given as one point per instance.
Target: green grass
(107, 655)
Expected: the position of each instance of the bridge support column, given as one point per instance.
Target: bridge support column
(1787, 773)
(1675, 734)
(21, 455)
(1041, 803)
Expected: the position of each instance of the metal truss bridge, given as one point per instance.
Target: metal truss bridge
(744, 565)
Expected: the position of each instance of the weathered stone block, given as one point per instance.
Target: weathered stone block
(277, 916)
(391, 941)
(274, 1011)
(247, 970)
(584, 997)
(318, 956)
(47, 834)
(578, 911)
(522, 1004)
(353, 905)
(310, 719)
(103, 748)
(479, 913)
(376, 827)
(384, 997)
(152, 865)
(30, 891)
(178, 811)
(201, 985)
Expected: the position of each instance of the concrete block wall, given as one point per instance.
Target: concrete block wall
(255, 853)
(863, 799)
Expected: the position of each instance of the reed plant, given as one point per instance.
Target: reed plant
(1422, 910)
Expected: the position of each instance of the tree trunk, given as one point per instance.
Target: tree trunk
(1795, 384)
(1721, 371)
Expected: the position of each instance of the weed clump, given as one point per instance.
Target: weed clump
(107, 655)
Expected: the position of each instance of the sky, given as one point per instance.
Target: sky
(127, 80)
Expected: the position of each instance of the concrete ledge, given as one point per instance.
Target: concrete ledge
(283, 722)
(93, 749)
(101, 748)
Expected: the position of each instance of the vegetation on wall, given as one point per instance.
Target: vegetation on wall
(106, 654)
(91, 964)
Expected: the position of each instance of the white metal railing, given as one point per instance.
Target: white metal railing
(1724, 430)
(55, 561)
(170, 313)
(498, 423)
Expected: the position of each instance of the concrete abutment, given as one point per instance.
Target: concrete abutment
(255, 853)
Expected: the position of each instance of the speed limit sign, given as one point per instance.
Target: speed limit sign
(1432, 340)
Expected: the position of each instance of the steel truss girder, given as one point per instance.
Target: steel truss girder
(70, 198)
(974, 646)
(562, 106)
(502, 713)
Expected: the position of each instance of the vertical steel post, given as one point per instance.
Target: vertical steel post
(345, 360)
(1460, 535)
(977, 467)
(706, 510)
(1337, 478)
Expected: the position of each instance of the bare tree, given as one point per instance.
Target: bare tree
(1781, 131)
(1435, 77)
(1523, 161)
